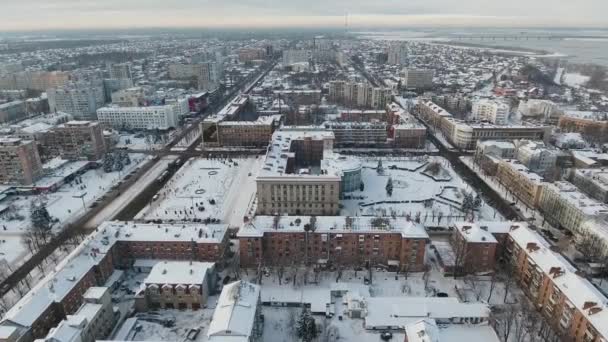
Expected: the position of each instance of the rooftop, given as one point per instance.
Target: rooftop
(570, 193)
(333, 225)
(234, 315)
(179, 272)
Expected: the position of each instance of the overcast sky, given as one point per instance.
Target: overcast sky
(43, 14)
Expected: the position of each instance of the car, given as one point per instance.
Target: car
(386, 335)
(93, 205)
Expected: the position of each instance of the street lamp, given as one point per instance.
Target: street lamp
(81, 196)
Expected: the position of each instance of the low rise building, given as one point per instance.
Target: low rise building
(568, 302)
(474, 247)
(465, 135)
(178, 285)
(562, 204)
(537, 157)
(238, 314)
(333, 240)
(256, 133)
(593, 182)
(527, 186)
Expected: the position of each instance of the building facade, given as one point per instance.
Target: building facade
(81, 100)
(74, 140)
(333, 240)
(491, 111)
(527, 186)
(19, 161)
(417, 78)
(153, 117)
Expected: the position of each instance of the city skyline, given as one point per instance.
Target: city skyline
(71, 14)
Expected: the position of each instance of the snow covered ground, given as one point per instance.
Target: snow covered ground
(199, 182)
(411, 189)
(140, 141)
(64, 205)
(575, 79)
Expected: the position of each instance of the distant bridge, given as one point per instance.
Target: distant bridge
(521, 36)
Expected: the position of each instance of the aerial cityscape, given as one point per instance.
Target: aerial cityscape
(339, 178)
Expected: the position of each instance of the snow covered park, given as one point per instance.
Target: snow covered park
(64, 205)
(424, 186)
(221, 189)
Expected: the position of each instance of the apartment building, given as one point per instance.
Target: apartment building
(546, 109)
(251, 54)
(153, 117)
(527, 186)
(296, 56)
(177, 285)
(494, 148)
(406, 131)
(584, 123)
(361, 95)
(491, 111)
(19, 161)
(38, 80)
(333, 240)
(112, 245)
(417, 78)
(81, 100)
(593, 182)
(256, 133)
(12, 111)
(474, 247)
(93, 321)
(238, 299)
(130, 97)
(566, 300)
(466, 135)
(74, 140)
(536, 156)
(207, 74)
(120, 71)
(291, 180)
(563, 205)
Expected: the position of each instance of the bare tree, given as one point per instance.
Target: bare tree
(493, 281)
(504, 321)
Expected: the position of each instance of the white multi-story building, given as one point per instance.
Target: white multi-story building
(536, 156)
(361, 95)
(81, 100)
(543, 108)
(153, 117)
(296, 56)
(417, 78)
(492, 111)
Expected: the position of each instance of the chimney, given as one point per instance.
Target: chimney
(532, 247)
(589, 305)
(594, 310)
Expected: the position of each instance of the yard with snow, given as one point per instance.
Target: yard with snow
(207, 188)
(64, 205)
(427, 187)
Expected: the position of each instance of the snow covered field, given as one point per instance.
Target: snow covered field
(64, 205)
(140, 141)
(207, 188)
(414, 192)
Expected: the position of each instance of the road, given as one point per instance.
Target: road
(80, 225)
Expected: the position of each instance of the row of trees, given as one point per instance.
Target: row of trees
(115, 161)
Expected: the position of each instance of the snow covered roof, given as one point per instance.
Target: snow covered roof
(570, 193)
(473, 233)
(234, 315)
(66, 275)
(427, 330)
(333, 224)
(179, 272)
(398, 311)
(279, 151)
(579, 291)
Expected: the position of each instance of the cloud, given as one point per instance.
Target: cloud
(17, 15)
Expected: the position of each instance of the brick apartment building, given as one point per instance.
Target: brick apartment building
(113, 245)
(474, 247)
(19, 161)
(256, 133)
(332, 240)
(567, 301)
